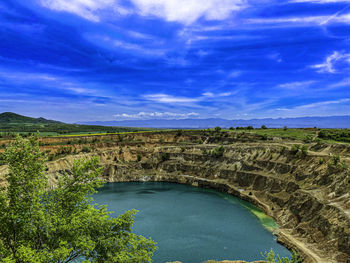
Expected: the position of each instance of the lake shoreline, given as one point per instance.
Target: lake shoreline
(283, 237)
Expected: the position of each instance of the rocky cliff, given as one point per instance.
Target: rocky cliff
(306, 191)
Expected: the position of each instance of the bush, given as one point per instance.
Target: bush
(263, 127)
(165, 157)
(335, 159)
(179, 132)
(139, 157)
(86, 149)
(271, 257)
(304, 150)
(295, 149)
(217, 129)
(283, 149)
(217, 152)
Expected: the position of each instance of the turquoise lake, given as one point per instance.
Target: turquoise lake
(191, 224)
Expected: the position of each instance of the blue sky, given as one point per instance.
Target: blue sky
(86, 60)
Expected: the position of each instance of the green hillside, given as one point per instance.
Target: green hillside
(11, 123)
(13, 118)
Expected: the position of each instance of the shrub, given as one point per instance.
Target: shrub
(165, 156)
(86, 149)
(139, 157)
(263, 127)
(283, 149)
(304, 150)
(217, 129)
(308, 139)
(271, 257)
(295, 148)
(336, 159)
(179, 132)
(218, 152)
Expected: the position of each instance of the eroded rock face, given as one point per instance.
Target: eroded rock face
(308, 198)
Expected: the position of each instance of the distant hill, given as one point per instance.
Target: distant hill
(12, 123)
(301, 122)
(13, 118)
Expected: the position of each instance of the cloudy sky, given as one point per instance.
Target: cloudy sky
(85, 60)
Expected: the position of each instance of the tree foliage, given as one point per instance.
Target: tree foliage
(271, 257)
(40, 224)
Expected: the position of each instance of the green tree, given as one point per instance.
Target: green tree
(271, 257)
(217, 129)
(40, 224)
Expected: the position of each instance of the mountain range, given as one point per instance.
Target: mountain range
(300, 122)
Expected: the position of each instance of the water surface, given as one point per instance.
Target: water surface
(191, 224)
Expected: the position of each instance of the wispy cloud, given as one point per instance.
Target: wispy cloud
(164, 98)
(182, 11)
(328, 66)
(113, 43)
(212, 95)
(155, 115)
(188, 11)
(296, 85)
(323, 103)
(343, 83)
(303, 20)
(316, 105)
(84, 8)
(49, 81)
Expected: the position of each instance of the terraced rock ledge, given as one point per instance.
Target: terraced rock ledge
(306, 193)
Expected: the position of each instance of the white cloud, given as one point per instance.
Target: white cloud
(84, 8)
(50, 81)
(212, 95)
(120, 44)
(288, 20)
(164, 98)
(188, 11)
(343, 83)
(323, 103)
(329, 65)
(183, 11)
(234, 74)
(303, 20)
(208, 94)
(296, 85)
(225, 94)
(316, 105)
(152, 115)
